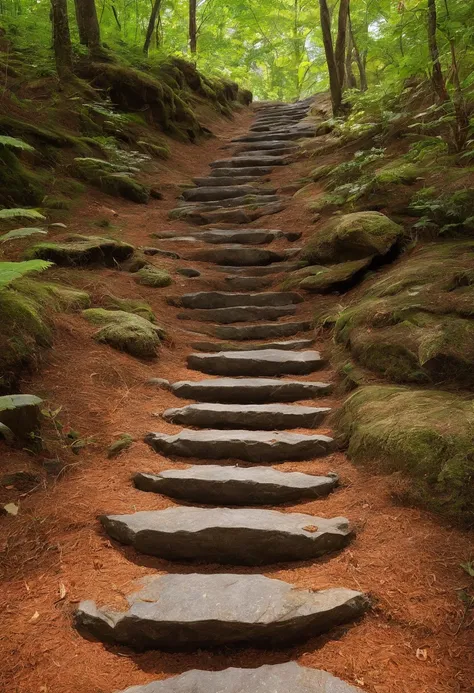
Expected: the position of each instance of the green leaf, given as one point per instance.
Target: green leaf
(20, 213)
(468, 568)
(14, 143)
(21, 233)
(9, 271)
(14, 401)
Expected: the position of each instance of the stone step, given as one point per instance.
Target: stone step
(221, 299)
(246, 161)
(263, 270)
(218, 485)
(270, 678)
(226, 181)
(229, 203)
(210, 194)
(271, 330)
(237, 536)
(293, 344)
(226, 316)
(268, 145)
(249, 390)
(249, 446)
(281, 135)
(247, 283)
(256, 150)
(195, 611)
(226, 236)
(262, 362)
(260, 417)
(235, 256)
(236, 215)
(246, 171)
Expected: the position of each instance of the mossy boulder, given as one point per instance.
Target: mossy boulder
(57, 296)
(397, 173)
(152, 276)
(353, 237)
(110, 178)
(126, 331)
(82, 250)
(425, 435)
(323, 279)
(129, 305)
(415, 323)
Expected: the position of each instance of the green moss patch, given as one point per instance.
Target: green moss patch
(353, 237)
(122, 443)
(110, 178)
(126, 331)
(322, 279)
(152, 276)
(129, 305)
(425, 435)
(415, 323)
(82, 250)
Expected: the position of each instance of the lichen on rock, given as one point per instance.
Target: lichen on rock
(82, 250)
(153, 276)
(126, 331)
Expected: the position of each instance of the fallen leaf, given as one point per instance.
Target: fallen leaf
(35, 617)
(11, 508)
(310, 528)
(422, 654)
(62, 590)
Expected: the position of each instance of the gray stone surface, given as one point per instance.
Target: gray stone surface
(236, 255)
(262, 362)
(210, 181)
(271, 330)
(237, 215)
(280, 135)
(249, 446)
(206, 194)
(221, 236)
(222, 299)
(245, 161)
(238, 536)
(247, 283)
(218, 485)
(290, 345)
(276, 678)
(269, 145)
(261, 270)
(188, 272)
(260, 417)
(253, 199)
(249, 390)
(179, 612)
(246, 171)
(226, 316)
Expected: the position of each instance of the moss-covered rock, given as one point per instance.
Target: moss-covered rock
(397, 172)
(353, 237)
(122, 443)
(110, 178)
(425, 435)
(415, 323)
(152, 276)
(323, 279)
(82, 250)
(56, 296)
(129, 305)
(126, 331)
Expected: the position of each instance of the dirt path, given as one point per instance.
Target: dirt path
(413, 640)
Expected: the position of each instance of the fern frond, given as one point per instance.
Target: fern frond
(21, 233)
(15, 143)
(9, 271)
(20, 213)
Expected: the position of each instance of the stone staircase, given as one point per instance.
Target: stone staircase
(245, 414)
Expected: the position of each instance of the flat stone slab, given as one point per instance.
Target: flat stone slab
(247, 171)
(266, 362)
(249, 446)
(252, 199)
(226, 316)
(210, 181)
(280, 135)
(188, 612)
(249, 390)
(238, 536)
(290, 345)
(237, 215)
(218, 485)
(262, 270)
(210, 194)
(270, 330)
(235, 255)
(245, 236)
(260, 417)
(267, 145)
(247, 283)
(250, 161)
(276, 678)
(222, 299)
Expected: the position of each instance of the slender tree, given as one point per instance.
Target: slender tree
(340, 52)
(334, 83)
(61, 38)
(88, 25)
(155, 13)
(192, 27)
(437, 77)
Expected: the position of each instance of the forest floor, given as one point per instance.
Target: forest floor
(416, 639)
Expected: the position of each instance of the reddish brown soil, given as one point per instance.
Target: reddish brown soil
(417, 639)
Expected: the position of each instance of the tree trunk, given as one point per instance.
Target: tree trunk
(437, 73)
(340, 52)
(360, 59)
(155, 11)
(334, 84)
(88, 25)
(61, 38)
(192, 27)
(350, 77)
